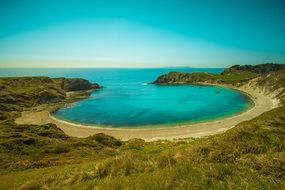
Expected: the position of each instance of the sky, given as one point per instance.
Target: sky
(141, 33)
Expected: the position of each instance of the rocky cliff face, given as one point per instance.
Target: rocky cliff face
(272, 84)
(182, 78)
(75, 84)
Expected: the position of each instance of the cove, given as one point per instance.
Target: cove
(145, 105)
(128, 101)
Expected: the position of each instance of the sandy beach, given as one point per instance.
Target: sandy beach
(263, 102)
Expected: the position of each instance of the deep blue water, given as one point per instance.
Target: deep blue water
(129, 101)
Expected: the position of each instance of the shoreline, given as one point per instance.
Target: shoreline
(262, 103)
(154, 126)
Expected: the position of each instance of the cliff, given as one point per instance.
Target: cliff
(75, 84)
(196, 78)
(17, 93)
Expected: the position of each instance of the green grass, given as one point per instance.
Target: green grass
(17, 93)
(33, 146)
(236, 77)
(250, 156)
(192, 78)
(184, 176)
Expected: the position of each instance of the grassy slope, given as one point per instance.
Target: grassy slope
(250, 156)
(31, 146)
(17, 93)
(235, 75)
(231, 78)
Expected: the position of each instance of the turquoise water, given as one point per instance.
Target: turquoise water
(129, 101)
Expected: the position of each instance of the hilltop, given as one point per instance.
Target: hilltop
(196, 78)
(258, 69)
(249, 156)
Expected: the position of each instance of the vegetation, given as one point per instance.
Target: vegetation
(17, 93)
(32, 146)
(235, 75)
(249, 156)
(196, 78)
(259, 69)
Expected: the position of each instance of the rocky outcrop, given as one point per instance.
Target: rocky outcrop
(184, 78)
(23, 92)
(75, 84)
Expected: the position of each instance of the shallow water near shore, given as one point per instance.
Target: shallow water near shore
(129, 101)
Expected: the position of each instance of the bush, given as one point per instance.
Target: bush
(61, 148)
(106, 140)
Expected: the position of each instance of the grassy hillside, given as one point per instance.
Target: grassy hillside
(261, 69)
(22, 92)
(194, 78)
(249, 156)
(235, 75)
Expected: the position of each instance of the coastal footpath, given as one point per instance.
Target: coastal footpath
(262, 83)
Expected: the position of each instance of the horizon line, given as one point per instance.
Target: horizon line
(111, 67)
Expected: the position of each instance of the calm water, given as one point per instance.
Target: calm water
(128, 101)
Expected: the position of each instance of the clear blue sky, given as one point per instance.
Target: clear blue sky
(141, 33)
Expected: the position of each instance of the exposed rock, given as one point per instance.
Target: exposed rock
(180, 78)
(75, 84)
